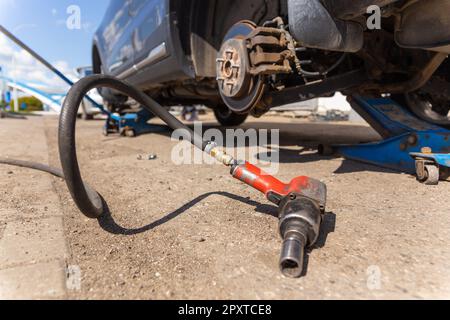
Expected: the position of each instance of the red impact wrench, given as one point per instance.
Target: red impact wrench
(301, 207)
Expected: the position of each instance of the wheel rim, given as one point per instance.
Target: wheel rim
(422, 108)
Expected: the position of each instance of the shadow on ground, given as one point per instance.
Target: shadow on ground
(108, 224)
(299, 142)
(14, 115)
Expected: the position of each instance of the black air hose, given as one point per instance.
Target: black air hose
(89, 201)
(33, 165)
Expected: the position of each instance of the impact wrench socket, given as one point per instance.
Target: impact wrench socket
(300, 220)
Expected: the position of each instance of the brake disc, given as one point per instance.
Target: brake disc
(239, 90)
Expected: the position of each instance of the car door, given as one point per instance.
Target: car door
(148, 36)
(118, 36)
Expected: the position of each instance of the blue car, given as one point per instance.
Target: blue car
(242, 57)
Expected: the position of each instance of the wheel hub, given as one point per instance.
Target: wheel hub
(240, 90)
(232, 68)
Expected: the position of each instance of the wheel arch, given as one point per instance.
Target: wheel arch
(96, 60)
(203, 24)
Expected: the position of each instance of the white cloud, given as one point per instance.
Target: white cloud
(7, 49)
(18, 64)
(6, 6)
(7, 3)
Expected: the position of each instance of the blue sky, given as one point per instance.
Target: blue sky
(41, 24)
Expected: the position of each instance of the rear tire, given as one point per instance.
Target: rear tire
(228, 118)
(107, 94)
(424, 108)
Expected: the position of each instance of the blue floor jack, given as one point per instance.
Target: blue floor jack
(130, 124)
(410, 144)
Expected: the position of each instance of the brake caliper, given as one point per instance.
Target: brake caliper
(248, 55)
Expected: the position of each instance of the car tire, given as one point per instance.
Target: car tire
(108, 94)
(228, 118)
(422, 109)
(87, 116)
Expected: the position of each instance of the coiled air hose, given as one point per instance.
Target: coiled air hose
(90, 203)
(88, 200)
(301, 202)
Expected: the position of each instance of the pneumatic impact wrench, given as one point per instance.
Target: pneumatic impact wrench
(301, 207)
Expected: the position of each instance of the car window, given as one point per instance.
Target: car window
(117, 24)
(153, 19)
(135, 6)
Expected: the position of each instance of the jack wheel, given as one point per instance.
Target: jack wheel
(431, 175)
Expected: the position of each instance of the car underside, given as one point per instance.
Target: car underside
(246, 57)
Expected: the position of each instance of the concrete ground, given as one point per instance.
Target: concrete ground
(192, 232)
(33, 249)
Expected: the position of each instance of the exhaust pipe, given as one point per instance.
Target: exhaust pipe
(300, 219)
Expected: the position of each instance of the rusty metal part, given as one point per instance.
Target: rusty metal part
(271, 51)
(247, 56)
(232, 66)
(240, 90)
(417, 81)
(411, 33)
(438, 87)
(427, 172)
(317, 89)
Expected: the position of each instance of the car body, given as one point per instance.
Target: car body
(168, 48)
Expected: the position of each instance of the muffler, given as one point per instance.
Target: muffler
(425, 25)
(313, 26)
